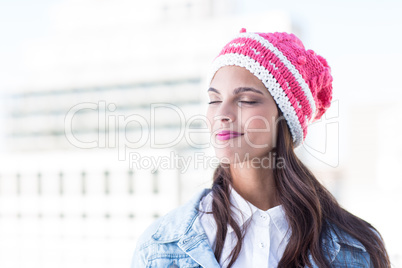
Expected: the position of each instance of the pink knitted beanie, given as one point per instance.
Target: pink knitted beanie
(299, 80)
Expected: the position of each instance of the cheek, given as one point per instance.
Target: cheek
(260, 128)
(209, 117)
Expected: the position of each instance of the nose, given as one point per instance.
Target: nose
(223, 118)
(225, 113)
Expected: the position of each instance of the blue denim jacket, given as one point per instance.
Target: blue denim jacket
(177, 240)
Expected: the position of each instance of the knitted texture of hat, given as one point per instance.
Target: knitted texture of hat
(299, 80)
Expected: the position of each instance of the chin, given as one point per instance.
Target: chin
(231, 157)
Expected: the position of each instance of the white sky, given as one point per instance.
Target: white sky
(365, 27)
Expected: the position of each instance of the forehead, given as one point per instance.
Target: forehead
(228, 78)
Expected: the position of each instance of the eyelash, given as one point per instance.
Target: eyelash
(248, 102)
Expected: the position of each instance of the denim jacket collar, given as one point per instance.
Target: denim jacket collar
(332, 242)
(176, 224)
(181, 226)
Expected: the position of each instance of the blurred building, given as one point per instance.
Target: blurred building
(69, 184)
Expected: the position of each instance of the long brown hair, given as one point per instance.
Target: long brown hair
(308, 206)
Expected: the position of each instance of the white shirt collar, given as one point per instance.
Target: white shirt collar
(245, 210)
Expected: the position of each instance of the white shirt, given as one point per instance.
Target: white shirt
(262, 245)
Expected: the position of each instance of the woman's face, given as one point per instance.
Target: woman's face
(239, 102)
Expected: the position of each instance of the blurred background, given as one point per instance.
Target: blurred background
(79, 135)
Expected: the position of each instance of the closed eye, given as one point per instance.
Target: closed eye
(249, 102)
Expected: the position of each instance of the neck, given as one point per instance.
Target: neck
(255, 184)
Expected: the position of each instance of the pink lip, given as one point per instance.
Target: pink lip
(226, 134)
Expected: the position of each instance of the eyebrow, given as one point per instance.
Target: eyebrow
(238, 90)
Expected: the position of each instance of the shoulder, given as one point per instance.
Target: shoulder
(142, 250)
(166, 229)
(342, 248)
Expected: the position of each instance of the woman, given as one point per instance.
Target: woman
(265, 208)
